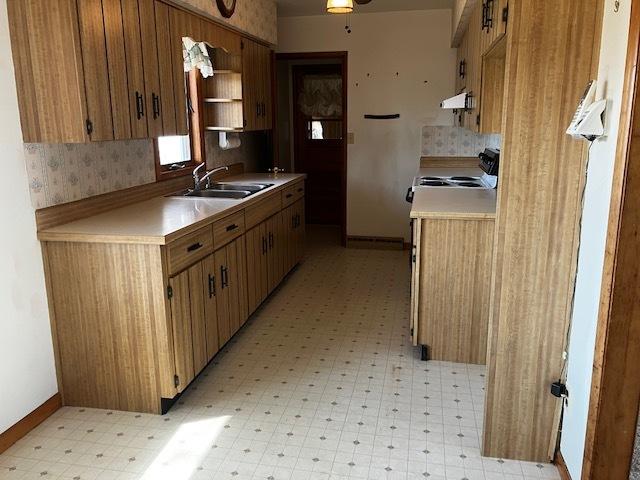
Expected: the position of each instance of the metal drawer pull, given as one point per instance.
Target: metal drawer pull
(289, 195)
(232, 227)
(194, 247)
(300, 190)
(212, 286)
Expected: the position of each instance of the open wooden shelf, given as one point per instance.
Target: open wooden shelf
(221, 100)
(224, 129)
(227, 72)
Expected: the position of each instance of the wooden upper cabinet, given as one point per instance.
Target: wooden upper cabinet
(48, 68)
(166, 102)
(495, 14)
(182, 24)
(256, 72)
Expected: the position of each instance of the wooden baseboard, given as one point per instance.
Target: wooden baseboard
(562, 467)
(375, 243)
(28, 423)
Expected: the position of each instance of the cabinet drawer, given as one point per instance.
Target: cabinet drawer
(292, 194)
(187, 250)
(228, 229)
(259, 212)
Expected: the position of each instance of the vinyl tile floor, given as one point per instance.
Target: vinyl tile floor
(321, 383)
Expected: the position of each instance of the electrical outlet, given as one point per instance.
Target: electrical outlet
(351, 138)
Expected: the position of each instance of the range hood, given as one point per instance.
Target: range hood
(459, 102)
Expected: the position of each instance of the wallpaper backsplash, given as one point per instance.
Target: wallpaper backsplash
(447, 141)
(255, 17)
(61, 173)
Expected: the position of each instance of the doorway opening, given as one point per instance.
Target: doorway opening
(311, 130)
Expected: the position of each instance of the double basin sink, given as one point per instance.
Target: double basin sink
(226, 190)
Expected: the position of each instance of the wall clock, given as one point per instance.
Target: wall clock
(226, 7)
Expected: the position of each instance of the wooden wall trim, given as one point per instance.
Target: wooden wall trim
(68, 212)
(615, 386)
(28, 423)
(562, 467)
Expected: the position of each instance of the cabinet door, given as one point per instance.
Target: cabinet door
(257, 277)
(265, 85)
(138, 105)
(474, 65)
(198, 318)
(151, 67)
(165, 69)
(288, 237)
(211, 281)
(96, 70)
(182, 331)
(183, 24)
(225, 330)
(250, 85)
(415, 279)
(235, 282)
(117, 61)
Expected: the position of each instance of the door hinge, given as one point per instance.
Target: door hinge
(169, 292)
(505, 14)
(176, 381)
(89, 127)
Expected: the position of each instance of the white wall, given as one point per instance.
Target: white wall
(385, 156)
(27, 372)
(592, 240)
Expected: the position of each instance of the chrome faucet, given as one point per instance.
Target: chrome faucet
(197, 181)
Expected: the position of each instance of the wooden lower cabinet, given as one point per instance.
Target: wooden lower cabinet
(134, 324)
(452, 260)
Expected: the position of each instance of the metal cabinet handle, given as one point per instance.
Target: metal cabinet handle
(289, 195)
(264, 245)
(194, 247)
(212, 286)
(140, 105)
(271, 241)
(224, 275)
(231, 228)
(156, 105)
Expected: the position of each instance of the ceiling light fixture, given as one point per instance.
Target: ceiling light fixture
(339, 6)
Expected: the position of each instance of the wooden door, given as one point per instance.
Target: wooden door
(319, 144)
(264, 62)
(151, 67)
(117, 63)
(182, 331)
(138, 105)
(250, 85)
(198, 317)
(167, 103)
(182, 24)
(225, 329)
(211, 283)
(96, 70)
(257, 270)
(236, 282)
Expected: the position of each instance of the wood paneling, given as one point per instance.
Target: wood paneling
(28, 423)
(108, 335)
(189, 249)
(615, 386)
(453, 306)
(68, 212)
(96, 69)
(48, 65)
(537, 219)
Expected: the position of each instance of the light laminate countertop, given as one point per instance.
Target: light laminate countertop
(453, 203)
(163, 219)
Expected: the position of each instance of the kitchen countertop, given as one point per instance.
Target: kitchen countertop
(453, 203)
(162, 219)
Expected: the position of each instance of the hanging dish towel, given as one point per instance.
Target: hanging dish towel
(196, 55)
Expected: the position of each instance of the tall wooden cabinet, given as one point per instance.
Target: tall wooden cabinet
(256, 66)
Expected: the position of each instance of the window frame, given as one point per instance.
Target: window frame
(165, 172)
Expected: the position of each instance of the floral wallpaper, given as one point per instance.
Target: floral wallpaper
(61, 173)
(255, 17)
(456, 142)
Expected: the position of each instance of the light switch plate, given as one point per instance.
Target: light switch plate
(351, 138)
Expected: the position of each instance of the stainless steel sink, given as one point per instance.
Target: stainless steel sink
(253, 187)
(235, 194)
